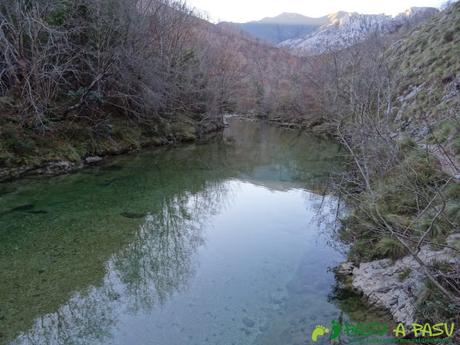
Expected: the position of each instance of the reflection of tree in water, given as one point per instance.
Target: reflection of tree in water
(327, 212)
(180, 188)
(158, 263)
(160, 260)
(84, 319)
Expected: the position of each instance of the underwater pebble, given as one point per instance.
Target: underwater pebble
(248, 322)
(263, 328)
(132, 215)
(25, 207)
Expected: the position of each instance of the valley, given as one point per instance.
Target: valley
(169, 180)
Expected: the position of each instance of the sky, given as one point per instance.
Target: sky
(248, 10)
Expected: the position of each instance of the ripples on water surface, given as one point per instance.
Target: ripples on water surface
(215, 243)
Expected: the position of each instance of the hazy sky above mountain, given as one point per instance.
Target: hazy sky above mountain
(248, 10)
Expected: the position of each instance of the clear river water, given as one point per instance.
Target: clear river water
(224, 242)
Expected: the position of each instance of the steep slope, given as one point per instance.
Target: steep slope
(408, 205)
(346, 29)
(428, 66)
(264, 79)
(428, 86)
(215, 69)
(170, 82)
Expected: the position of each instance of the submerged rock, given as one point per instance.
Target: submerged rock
(38, 212)
(133, 215)
(6, 190)
(113, 167)
(22, 208)
(396, 286)
(248, 322)
(109, 182)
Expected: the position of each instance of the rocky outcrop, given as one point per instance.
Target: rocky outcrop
(345, 29)
(348, 29)
(398, 286)
(93, 159)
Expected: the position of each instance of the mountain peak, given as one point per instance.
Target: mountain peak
(347, 28)
(289, 18)
(333, 31)
(282, 27)
(336, 17)
(418, 12)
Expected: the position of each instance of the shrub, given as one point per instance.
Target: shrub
(404, 274)
(448, 36)
(389, 248)
(456, 145)
(361, 250)
(407, 144)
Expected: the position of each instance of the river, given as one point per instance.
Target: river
(224, 242)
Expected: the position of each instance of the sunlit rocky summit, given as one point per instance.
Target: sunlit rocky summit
(345, 29)
(312, 36)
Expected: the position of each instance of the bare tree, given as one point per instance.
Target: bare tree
(399, 190)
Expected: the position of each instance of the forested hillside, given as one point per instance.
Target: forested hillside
(255, 78)
(83, 79)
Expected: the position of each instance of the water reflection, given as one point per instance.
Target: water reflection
(73, 272)
(156, 264)
(159, 261)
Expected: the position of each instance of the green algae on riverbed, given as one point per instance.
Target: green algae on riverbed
(99, 251)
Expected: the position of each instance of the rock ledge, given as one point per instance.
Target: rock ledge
(397, 286)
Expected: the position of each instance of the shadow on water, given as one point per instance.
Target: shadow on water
(75, 250)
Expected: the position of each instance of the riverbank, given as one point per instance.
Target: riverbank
(72, 146)
(362, 256)
(318, 128)
(379, 270)
(167, 240)
(398, 286)
(415, 204)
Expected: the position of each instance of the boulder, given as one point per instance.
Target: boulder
(92, 159)
(345, 269)
(396, 286)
